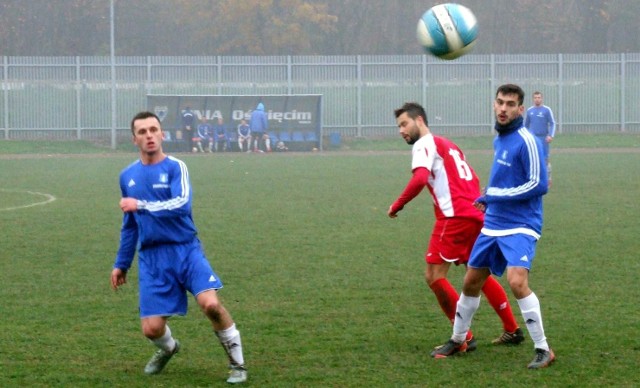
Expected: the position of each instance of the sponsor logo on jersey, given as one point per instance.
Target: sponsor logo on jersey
(503, 159)
(163, 178)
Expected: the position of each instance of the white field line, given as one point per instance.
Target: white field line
(48, 199)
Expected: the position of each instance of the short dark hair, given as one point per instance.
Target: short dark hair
(141, 116)
(512, 89)
(413, 110)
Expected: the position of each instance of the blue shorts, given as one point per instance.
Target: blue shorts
(498, 253)
(167, 272)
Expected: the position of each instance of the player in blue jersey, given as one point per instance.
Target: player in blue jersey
(244, 135)
(512, 203)
(156, 201)
(539, 120)
(205, 133)
(221, 139)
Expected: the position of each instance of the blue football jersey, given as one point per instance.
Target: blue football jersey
(164, 214)
(517, 182)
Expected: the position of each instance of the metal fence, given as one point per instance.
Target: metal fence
(93, 98)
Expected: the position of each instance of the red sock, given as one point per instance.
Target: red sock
(448, 299)
(498, 300)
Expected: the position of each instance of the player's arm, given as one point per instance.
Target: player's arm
(128, 237)
(552, 126)
(417, 182)
(128, 242)
(128, 230)
(126, 251)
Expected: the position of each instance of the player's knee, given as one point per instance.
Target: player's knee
(152, 331)
(431, 277)
(435, 272)
(519, 287)
(212, 308)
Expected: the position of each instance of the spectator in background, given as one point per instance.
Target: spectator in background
(259, 126)
(205, 133)
(281, 147)
(539, 121)
(244, 135)
(220, 136)
(187, 119)
(267, 142)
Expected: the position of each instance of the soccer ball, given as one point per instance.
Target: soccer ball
(194, 149)
(447, 31)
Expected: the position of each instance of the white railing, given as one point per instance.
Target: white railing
(70, 97)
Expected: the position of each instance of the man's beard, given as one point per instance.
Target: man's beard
(414, 136)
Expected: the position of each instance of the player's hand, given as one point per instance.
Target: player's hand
(549, 139)
(480, 204)
(118, 278)
(128, 204)
(391, 213)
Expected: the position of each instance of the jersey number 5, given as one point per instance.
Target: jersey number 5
(463, 168)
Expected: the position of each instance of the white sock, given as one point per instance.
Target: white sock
(232, 344)
(530, 308)
(465, 309)
(166, 342)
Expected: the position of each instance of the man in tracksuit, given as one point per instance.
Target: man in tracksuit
(539, 120)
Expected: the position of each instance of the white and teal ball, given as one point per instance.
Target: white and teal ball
(448, 31)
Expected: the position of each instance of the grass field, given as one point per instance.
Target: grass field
(326, 290)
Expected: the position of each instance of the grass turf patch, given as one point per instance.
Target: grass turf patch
(325, 288)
